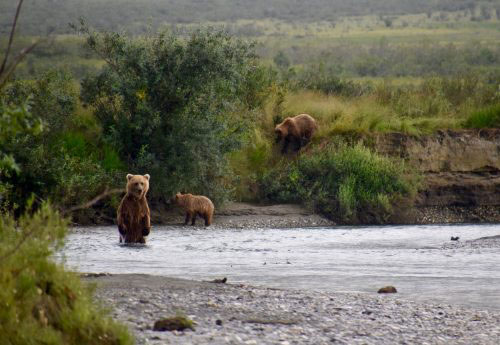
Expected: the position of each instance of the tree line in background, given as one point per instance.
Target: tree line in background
(44, 16)
(379, 59)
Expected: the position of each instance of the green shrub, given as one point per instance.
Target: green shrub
(40, 302)
(174, 107)
(488, 117)
(347, 183)
(67, 162)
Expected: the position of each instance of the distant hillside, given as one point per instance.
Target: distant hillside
(42, 16)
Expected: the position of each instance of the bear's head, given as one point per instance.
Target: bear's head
(180, 198)
(137, 185)
(281, 130)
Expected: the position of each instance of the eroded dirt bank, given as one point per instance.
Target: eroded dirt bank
(461, 173)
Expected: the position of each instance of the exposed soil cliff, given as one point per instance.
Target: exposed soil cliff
(461, 171)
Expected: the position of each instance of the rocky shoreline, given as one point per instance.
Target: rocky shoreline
(242, 314)
(245, 215)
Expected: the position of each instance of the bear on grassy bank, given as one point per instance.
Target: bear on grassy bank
(133, 213)
(196, 205)
(297, 130)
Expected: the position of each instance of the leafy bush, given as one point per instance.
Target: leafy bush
(488, 117)
(67, 162)
(15, 121)
(40, 302)
(174, 108)
(347, 183)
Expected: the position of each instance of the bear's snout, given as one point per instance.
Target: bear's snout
(138, 189)
(278, 135)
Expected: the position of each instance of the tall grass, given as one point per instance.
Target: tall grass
(40, 302)
(415, 108)
(484, 118)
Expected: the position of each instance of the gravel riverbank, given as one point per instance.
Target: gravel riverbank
(241, 314)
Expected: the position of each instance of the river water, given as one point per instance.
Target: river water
(352, 259)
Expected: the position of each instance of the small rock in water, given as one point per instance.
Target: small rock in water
(387, 289)
(177, 323)
(218, 322)
(455, 238)
(220, 281)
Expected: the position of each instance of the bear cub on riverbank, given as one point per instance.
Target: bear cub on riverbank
(196, 205)
(133, 213)
(297, 130)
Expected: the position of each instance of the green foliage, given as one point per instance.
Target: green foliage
(348, 183)
(67, 162)
(15, 121)
(40, 302)
(281, 60)
(437, 96)
(420, 58)
(53, 98)
(321, 78)
(248, 165)
(174, 108)
(488, 117)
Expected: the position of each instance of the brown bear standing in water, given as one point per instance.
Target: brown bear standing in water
(133, 214)
(196, 205)
(297, 130)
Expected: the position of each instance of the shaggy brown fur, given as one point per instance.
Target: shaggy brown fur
(297, 130)
(196, 205)
(133, 213)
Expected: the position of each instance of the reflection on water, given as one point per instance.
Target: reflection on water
(334, 259)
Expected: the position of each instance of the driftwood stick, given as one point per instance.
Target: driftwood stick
(6, 73)
(107, 192)
(11, 37)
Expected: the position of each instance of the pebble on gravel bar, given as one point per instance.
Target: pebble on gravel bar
(387, 289)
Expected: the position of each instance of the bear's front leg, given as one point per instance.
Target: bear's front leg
(146, 226)
(188, 217)
(285, 145)
(121, 229)
(194, 219)
(297, 144)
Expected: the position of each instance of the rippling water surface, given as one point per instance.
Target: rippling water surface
(359, 259)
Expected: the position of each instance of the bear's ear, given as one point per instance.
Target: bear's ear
(129, 176)
(147, 176)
